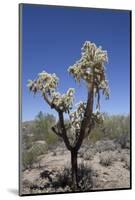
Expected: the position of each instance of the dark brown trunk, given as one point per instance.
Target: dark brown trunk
(63, 130)
(74, 169)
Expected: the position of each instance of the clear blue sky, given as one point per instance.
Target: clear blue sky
(52, 38)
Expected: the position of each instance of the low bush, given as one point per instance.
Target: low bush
(39, 148)
(51, 139)
(88, 155)
(85, 181)
(62, 180)
(124, 141)
(28, 158)
(106, 158)
(113, 127)
(85, 175)
(105, 145)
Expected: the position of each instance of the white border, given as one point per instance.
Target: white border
(9, 97)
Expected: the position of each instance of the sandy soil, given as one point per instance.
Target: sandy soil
(115, 175)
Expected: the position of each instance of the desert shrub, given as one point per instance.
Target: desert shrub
(88, 155)
(85, 174)
(96, 134)
(85, 181)
(50, 181)
(51, 139)
(105, 145)
(106, 158)
(38, 130)
(27, 136)
(61, 181)
(39, 148)
(28, 140)
(63, 178)
(41, 127)
(113, 127)
(28, 158)
(124, 141)
(117, 125)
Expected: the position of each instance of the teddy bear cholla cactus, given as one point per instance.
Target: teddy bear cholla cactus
(89, 68)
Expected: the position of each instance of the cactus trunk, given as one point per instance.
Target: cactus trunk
(74, 169)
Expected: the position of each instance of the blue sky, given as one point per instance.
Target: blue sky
(52, 38)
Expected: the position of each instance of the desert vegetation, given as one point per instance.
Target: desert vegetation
(102, 158)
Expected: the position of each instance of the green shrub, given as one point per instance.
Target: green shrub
(28, 158)
(39, 148)
(42, 126)
(85, 180)
(113, 127)
(51, 139)
(96, 134)
(39, 130)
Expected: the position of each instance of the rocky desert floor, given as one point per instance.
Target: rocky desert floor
(103, 165)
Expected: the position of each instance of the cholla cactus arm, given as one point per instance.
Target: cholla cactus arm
(91, 64)
(47, 84)
(90, 68)
(63, 102)
(76, 118)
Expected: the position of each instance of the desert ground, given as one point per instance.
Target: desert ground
(101, 165)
